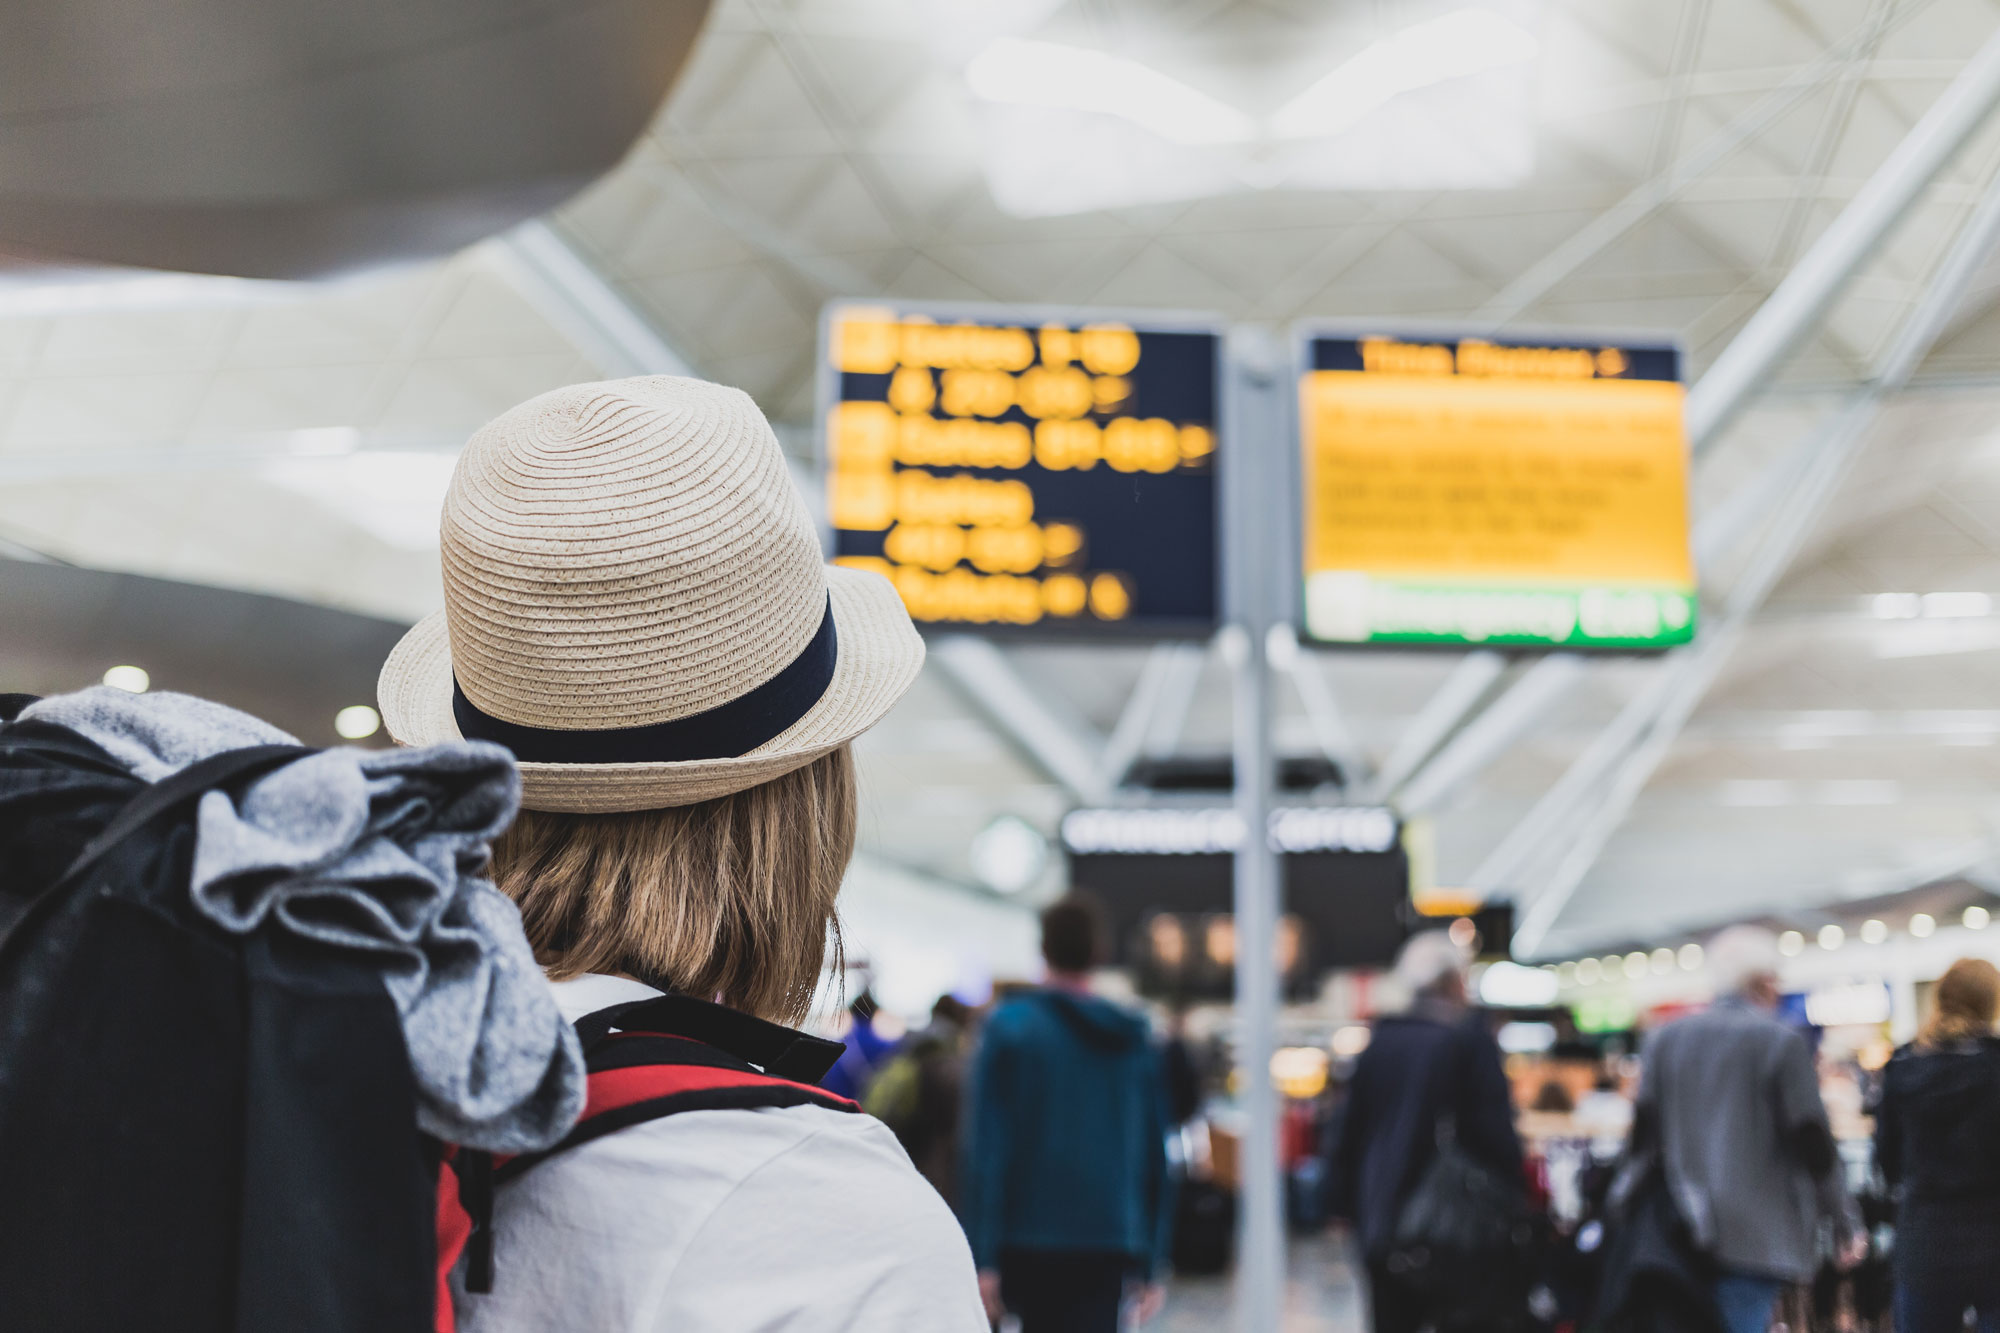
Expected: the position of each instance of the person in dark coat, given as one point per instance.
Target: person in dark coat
(1422, 1066)
(1937, 1137)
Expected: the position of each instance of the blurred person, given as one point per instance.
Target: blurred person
(637, 606)
(1605, 1112)
(918, 1090)
(1937, 1138)
(1729, 1099)
(1553, 1098)
(1180, 1069)
(866, 1048)
(1066, 1197)
(1429, 1066)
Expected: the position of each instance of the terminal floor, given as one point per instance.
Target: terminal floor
(1321, 1295)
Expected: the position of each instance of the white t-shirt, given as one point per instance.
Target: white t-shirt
(728, 1221)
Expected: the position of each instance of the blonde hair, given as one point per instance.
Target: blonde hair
(731, 898)
(1964, 1004)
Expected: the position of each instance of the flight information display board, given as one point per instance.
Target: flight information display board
(1480, 491)
(1164, 877)
(1051, 473)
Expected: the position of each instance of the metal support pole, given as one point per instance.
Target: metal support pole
(1255, 439)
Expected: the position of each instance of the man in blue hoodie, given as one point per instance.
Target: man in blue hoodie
(1065, 1187)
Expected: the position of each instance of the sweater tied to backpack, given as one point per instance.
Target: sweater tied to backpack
(379, 854)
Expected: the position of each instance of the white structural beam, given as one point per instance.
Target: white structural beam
(1328, 724)
(1745, 365)
(1606, 228)
(571, 294)
(1177, 691)
(1488, 736)
(1128, 738)
(1444, 710)
(1850, 242)
(1065, 747)
(1691, 673)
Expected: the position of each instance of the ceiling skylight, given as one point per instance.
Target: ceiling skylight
(1452, 46)
(1445, 103)
(1048, 74)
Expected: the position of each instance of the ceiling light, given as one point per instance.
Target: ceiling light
(393, 495)
(1896, 605)
(1505, 985)
(1831, 937)
(1937, 637)
(1662, 960)
(1525, 1038)
(1073, 78)
(1976, 917)
(1350, 1041)
(1956, 605)
(357, 722)
(1873, 931)
(1755, 792)
(1635, 964)
(1690, 956)
(1791, 943)
(1008, 854)
(1589, 971)
(1861, 791)
(1464, 42)
(130, 678)
(1566, 973)
(1922, 924)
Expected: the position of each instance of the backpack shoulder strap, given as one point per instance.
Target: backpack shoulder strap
(159, 797)
(636, 1076)
(152, 801)
(640, 1068)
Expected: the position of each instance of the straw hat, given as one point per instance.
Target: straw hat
(636, 605)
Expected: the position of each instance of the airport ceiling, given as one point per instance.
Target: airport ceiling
(295, 439)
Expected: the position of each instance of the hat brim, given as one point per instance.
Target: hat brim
(880, 654)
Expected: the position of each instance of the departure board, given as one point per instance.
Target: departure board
(1023, 472)
(1528, 493)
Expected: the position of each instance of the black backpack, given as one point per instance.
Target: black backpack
(1465, 1238)
(199, 1132)
(203, 1132)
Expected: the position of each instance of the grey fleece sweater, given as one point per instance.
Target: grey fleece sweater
(380, 853)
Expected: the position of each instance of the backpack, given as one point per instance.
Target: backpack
(1465, 1238)
(211, 1133)
(199, 1132)
(647, 1059)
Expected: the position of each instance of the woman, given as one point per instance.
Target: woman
(1937, 1136)
(636, 605)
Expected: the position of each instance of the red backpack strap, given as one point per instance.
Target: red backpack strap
(641, 1076)
(646, 1060)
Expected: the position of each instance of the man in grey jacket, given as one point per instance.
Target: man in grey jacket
(1730, 1099)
